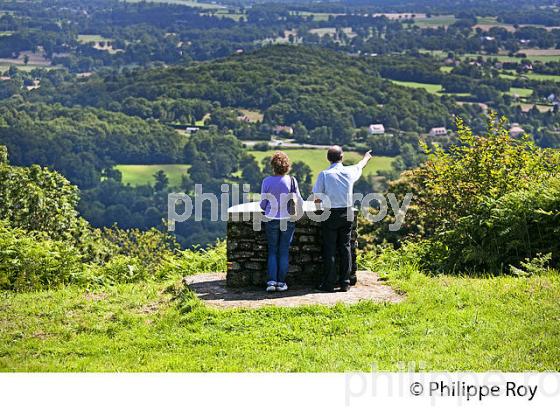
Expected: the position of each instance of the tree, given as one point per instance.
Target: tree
(162, 181)
(302, 173)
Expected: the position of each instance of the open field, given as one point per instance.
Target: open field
(191, 3)
(317, 161)
(521, 92)
(544, 55)
(331, 31)
(540, 107)
(36, 59)
(531, 76)
(89, 38)
(29, 67)
(253, 116)
(449, 323)
(486, 23)
(431, 88)
(316, 16)
(144, 174)
(435, 21)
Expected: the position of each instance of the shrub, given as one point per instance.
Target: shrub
(31, 261)
(189, 262)
(120, 269)
(36, 199)
(502, 232)
(482, 205)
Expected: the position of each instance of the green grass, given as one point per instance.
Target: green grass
(26, 68)
(89, 38)
(144, 174)
(316, 16)
(435, 21)
(317, 161)
(189, 3)
(522, 92)
(431, 88)
(503, 58)
(542, 77)
(444, 324)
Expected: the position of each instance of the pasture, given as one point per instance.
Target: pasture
(92, 38)
(144, 174)
(431, 88)
(435, 21)
(190, 3)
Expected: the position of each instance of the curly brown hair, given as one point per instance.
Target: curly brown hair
(280, 163)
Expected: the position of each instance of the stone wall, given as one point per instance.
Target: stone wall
(247, 250)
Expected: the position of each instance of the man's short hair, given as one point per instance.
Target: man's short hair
(334, 154)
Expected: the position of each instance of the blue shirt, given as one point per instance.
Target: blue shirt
(337, 182)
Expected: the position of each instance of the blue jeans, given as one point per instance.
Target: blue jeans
(278, 249)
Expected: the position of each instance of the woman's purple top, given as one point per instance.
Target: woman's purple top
(276, 185)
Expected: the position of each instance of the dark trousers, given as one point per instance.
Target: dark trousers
(337, 231)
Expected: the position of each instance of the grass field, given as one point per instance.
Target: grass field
(189, 3)
(540, 107)
(534, 55)
(331, 31)
(26, 68)
(89, 38)
(521, 92)
(431, 88)
(542, 77)
(434, 21)
(317, 161)
(445, 323)
(316, 16)
(144, 174)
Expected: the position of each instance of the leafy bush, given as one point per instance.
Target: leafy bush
(36, 199)
(482, 205)
(189, 262)
(120, 269)
(31, 261)
(502, 232)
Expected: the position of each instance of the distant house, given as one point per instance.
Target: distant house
(192, 130)
(33, 85)
(438, 132)
(375, 129)
(516, 130)
(283, 129)
(5, 78)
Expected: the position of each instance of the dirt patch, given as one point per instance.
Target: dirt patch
(93, 296)
(211, 289)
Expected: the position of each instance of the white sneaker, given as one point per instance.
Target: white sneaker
(281, 287)
(271, 286)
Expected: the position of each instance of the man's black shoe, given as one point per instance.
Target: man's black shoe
(345, 287)
(322, 288)
(353, 280)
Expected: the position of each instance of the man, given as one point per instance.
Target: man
(337, 183)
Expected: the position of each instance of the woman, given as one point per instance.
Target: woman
(276, 192)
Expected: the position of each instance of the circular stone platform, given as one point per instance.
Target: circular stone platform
(211, 289)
